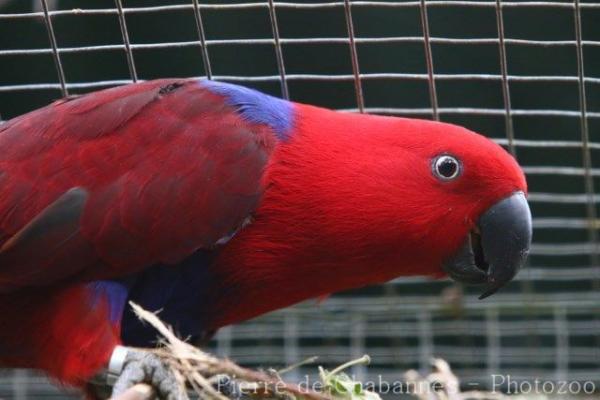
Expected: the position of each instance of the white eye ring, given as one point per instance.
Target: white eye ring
(446, 167)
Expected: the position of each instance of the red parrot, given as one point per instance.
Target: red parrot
(216, 203)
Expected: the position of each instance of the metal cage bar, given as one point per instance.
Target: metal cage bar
(320, 5)
(587, 156)
(360, 101)
(125, 35)
(429, 60)
(585, 135)
(322, 41)
(52, 37)
(278, 51)
(202, 38)
(508, 121)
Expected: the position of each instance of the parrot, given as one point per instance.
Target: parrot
(216, 203)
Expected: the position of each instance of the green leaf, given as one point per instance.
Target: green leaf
(341, 386)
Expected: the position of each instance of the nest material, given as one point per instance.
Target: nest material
(201, 372)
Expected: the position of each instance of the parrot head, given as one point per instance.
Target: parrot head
(388, 197)
(463, 201)
(483, 185)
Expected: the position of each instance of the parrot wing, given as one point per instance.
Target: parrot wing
(106, 184)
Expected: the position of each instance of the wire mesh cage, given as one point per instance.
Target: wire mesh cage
(525, 73)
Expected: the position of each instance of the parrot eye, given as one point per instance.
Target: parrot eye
(446, 167)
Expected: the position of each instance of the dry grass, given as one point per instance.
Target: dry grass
(199, 372)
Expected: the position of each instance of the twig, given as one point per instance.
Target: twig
(359, 361)
(292, 367)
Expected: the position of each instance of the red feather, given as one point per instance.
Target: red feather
(167, 166)
(57, 330)
(160, 169)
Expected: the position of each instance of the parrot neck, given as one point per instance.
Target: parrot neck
(244, 290)
(247, 283)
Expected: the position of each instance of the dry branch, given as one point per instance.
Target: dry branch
(200, 371)
(197, 368)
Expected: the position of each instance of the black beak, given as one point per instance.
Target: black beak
(494, 252)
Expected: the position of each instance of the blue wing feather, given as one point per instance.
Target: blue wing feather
(175, 291)
(256, 107)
